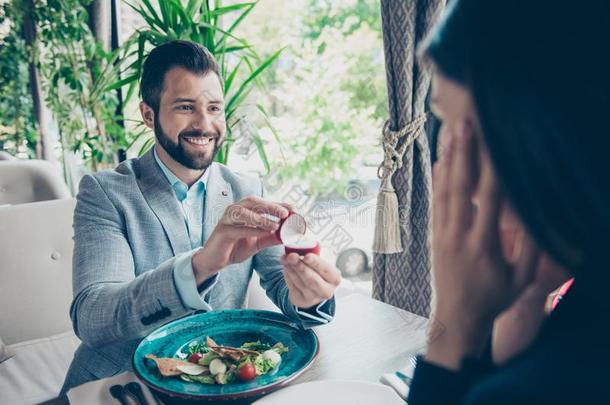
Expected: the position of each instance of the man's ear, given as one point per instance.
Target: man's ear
(148, 115)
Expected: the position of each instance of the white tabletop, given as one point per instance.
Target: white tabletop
(366, 339)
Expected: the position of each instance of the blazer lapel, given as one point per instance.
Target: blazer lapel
(218, 197)
(162, 201)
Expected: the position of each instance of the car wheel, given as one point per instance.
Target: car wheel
(352, 261)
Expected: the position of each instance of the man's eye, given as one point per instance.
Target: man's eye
(185, 108)
(215, 108)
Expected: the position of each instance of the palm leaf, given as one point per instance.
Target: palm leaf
(243, 15)
(132, 88)
(152, 19)
(193, 6)
(164, 12)
(149, 143)
(270, 125)
(218, 52)
(252, 77)
(260, 147)
(231, 77)
(122, 82)
(217, 12)
(236, 23)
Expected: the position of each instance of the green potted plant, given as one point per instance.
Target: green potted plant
(200, 21)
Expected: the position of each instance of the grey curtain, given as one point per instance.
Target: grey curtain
(403, 279)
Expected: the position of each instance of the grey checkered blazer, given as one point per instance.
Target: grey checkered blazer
(128, 227)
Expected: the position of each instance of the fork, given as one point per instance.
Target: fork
(135, 390)
(118, 392)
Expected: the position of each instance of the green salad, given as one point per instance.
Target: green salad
(211, 363)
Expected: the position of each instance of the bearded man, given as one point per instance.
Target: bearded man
(173, 231)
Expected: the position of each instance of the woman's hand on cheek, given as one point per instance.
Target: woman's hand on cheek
(517, 327)
(473, 282)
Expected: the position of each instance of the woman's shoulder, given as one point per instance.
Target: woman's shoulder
(565, 370)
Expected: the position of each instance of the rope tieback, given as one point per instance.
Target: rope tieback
(387, 229)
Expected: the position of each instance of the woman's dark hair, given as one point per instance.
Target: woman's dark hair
(185, 54)
(539, 73)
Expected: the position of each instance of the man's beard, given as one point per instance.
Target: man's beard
(192, 160)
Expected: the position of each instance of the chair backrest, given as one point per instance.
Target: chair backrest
(35, 269)
(24, 181)
(6, 156)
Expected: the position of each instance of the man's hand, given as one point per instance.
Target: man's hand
(243, 231)
(310, 280)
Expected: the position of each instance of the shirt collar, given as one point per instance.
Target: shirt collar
(180, 188)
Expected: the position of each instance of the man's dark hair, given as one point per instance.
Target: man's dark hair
(185, 54)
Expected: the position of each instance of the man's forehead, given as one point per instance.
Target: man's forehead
(180, 83)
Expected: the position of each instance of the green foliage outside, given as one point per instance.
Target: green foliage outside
(307, 74)
(327, 97)
(76, 71)
(17, 129)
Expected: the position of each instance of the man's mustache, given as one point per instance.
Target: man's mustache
(194, 133)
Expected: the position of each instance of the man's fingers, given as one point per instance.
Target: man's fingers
(267, 241)
(292, 286)
(238, 215)
(262, 206)
(240, 232)
(298, 285)
(328, 273)
(289, 207)
(311, 281)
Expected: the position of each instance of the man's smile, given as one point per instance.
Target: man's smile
(198, 140)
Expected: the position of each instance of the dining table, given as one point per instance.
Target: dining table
(366, 339)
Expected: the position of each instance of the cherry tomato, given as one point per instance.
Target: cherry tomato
(246, 372)
(194, 358)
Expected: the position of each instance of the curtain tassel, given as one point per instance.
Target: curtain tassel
(387, 229)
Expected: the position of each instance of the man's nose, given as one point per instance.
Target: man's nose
(204, 122)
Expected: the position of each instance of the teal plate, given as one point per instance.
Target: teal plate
(230, 328)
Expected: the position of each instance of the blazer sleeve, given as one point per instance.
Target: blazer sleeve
(110, 303)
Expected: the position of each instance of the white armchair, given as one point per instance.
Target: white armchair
(23, 181)
(6, 156)
(35, 294)
(36, 291)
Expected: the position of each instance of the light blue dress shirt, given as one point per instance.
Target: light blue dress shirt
(192, 202)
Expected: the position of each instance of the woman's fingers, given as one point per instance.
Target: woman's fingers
(440, 195)
(529, 257)
(486, 225)
(462, 180)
